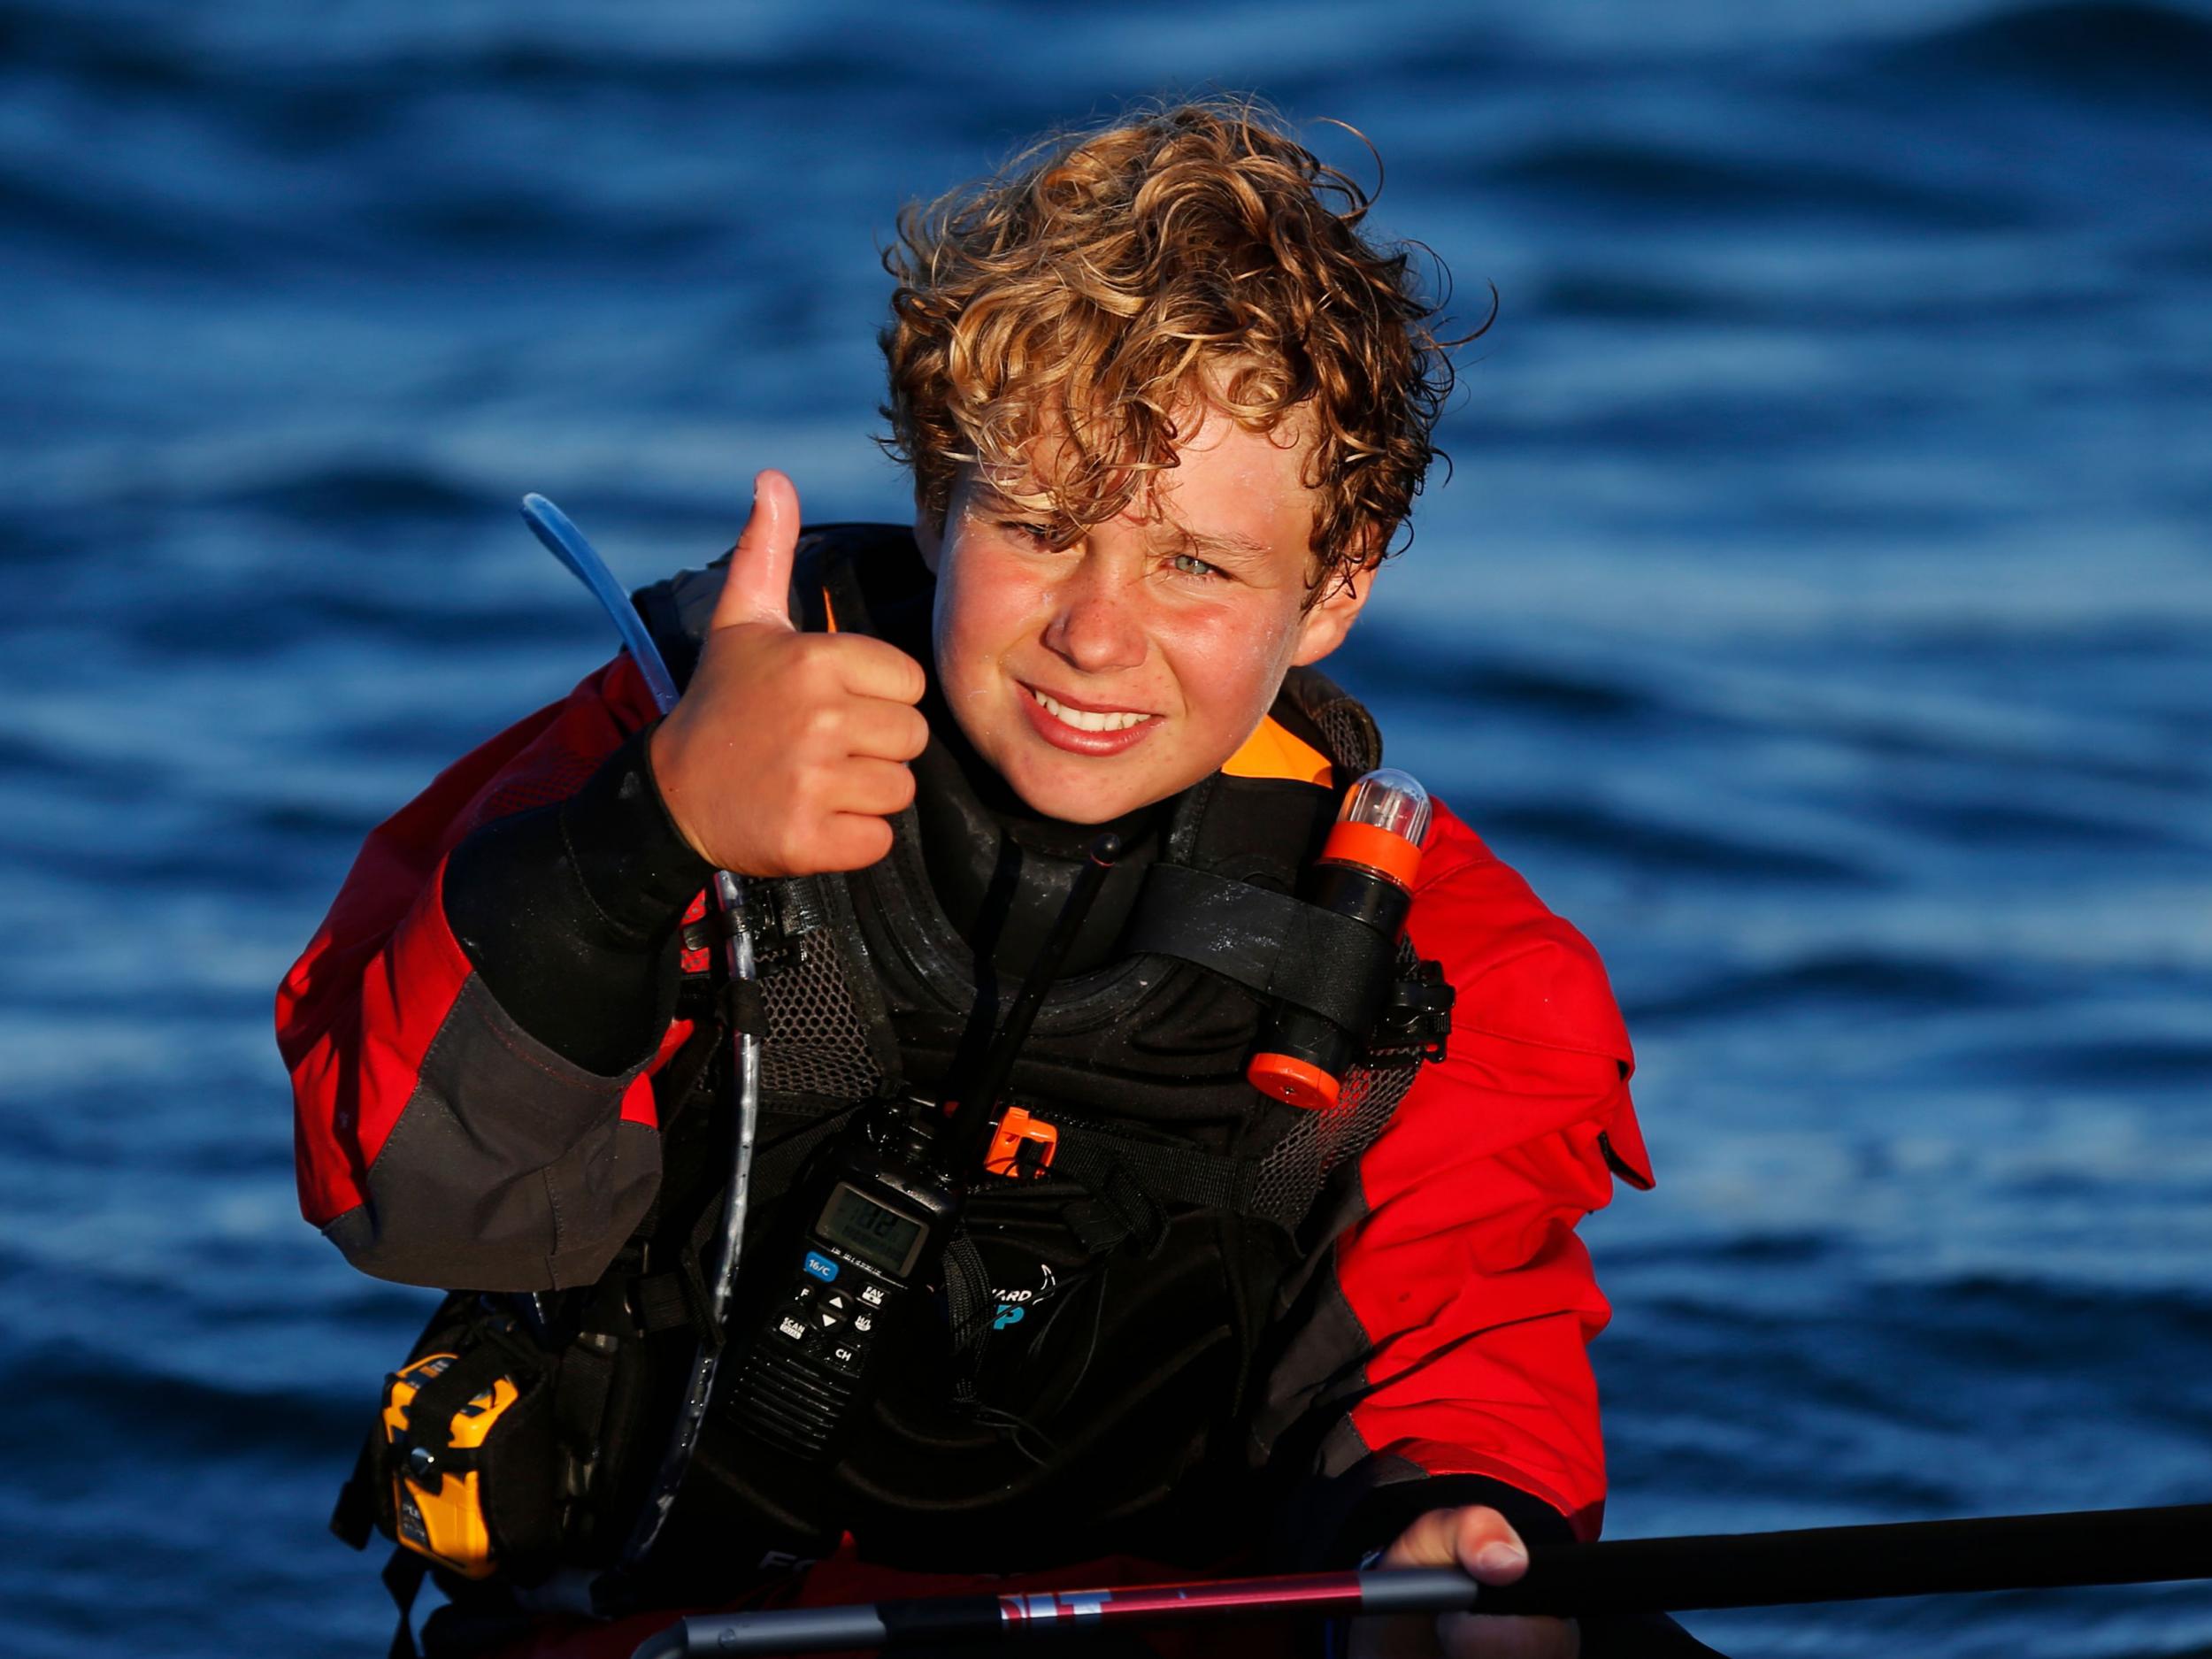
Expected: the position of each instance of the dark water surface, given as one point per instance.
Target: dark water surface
(1818, 614)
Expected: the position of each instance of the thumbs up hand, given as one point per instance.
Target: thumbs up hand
(787, 751)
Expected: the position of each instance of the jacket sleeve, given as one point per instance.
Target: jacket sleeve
(1434, 1349)
(471, 1031)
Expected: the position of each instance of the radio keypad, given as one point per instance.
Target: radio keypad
(832, 1323)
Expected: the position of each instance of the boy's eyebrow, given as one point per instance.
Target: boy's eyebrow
(1227, 545)
(1224, 544)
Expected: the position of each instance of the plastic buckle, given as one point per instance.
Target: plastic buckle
(700, 936)
(776, 923)
(1022, 1146)
(1418, 1014)
(780, 915)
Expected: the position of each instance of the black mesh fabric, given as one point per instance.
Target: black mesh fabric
(1296, 1167)
(1347, 730)
(1293, 1170)
(817, 1039)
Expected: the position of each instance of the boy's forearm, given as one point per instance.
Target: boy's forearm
(568, 911)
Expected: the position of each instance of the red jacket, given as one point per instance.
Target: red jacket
(439, 1143)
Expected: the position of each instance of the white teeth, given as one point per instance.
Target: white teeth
(1083, 720)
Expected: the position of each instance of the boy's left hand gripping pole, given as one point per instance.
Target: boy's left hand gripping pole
(566, 543)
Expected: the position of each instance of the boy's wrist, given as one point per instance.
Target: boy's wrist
(630, 857)
(1389, 1510)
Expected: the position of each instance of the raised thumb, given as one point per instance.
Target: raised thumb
(758, 586)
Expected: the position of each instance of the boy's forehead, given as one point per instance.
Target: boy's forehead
(1231, 486)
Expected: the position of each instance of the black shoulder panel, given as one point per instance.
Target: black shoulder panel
(848, 575)
(1349, 736)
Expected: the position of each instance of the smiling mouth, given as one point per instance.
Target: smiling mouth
(1089, 719)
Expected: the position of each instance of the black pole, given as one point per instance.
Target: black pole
(1849, 1563)
(1648, 1575)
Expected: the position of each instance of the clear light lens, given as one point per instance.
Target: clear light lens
(1388, 800)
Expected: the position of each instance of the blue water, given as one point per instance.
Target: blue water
(1819, 612)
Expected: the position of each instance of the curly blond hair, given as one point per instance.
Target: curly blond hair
(1105, 284)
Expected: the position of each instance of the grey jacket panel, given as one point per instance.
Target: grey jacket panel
(510, 1167)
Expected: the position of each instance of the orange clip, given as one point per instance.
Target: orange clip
(1011, 1140)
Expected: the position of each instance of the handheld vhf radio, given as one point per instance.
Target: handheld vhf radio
(874, 1231)
(874, 1223)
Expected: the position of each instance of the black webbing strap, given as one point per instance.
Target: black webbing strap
(709, 1011)
(580, 1393)
(660, 1302)
(1135, 1181)
(403, 1577)
(1278, 946)
(430, 1414)
(968, 1300)
(353, 1518)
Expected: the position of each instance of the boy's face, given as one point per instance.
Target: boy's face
(1104, 676)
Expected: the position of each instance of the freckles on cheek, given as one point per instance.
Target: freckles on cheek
(1271, 643)
(1233, 670)
(985, 614)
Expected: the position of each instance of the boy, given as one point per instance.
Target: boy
(1164, 410)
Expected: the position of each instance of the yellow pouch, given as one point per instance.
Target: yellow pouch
(438, 1495)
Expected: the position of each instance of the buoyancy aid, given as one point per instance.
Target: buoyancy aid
(1104, 1323)
(1102, 1327)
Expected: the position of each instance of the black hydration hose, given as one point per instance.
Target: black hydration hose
(566, 543)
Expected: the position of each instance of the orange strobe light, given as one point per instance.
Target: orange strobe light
(1365, 874)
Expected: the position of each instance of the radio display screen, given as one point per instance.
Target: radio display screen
(880, 1237)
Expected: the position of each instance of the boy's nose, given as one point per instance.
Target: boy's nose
(1095, 626)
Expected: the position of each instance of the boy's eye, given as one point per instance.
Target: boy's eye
(1191, 565)
(1029, 532)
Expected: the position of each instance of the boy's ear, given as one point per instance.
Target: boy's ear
(1329, 617)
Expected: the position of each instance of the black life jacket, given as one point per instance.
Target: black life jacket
(1105, 1324)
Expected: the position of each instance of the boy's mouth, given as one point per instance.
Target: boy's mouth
(1084, 731)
